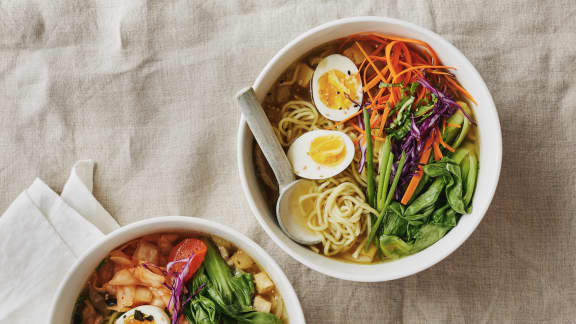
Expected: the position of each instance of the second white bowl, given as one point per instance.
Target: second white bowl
(76, 278)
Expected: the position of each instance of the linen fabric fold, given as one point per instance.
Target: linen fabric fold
(41, 236)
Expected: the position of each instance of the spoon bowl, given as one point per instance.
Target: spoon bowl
(290, 217)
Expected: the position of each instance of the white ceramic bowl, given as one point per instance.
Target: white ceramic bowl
(76, 278)
(490, 150)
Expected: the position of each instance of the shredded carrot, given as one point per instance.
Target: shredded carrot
(370, 61)
(383, 120)
(437, 153)
(363, 133)
(439, 72)
(410, 40)
(389, 57)
(419, 173)
(462, 90)
(348, 118)
(448, 147)
(418, 67)
(454, 125)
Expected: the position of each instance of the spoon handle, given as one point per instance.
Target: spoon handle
(265, 136)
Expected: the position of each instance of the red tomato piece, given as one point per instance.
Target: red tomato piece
(184, 250)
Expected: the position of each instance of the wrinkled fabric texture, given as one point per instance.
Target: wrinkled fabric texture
(146, 90)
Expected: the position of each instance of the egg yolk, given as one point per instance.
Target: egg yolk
(336, 89)
(328, 150)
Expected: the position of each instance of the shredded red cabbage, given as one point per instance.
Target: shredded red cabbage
(178, 287)
(413, 143)
(445, 99)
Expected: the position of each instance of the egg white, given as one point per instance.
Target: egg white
(346, 66)
(160, 317)
(303, 164)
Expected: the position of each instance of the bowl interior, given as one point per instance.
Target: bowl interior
(68, 292)
(488, 130)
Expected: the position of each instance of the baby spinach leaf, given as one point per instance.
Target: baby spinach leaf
(427, 198)
(450, 172)
(428, 235)
(420, 218)
(394, 224)
(393, 247)
(445, 216)
(471, 177)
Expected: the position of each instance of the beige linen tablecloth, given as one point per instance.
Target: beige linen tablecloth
(145, 89)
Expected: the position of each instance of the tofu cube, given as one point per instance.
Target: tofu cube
(263, 283)
(262, 305)
(241, 260)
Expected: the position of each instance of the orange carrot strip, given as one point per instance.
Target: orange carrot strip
(418, 67)
(370, 61)
(454, 125)
(448, 147)
(376, 81)
(349, 117)
(389, 57)
(437, 153)
(419, 173)
(383, 121)
(363, 133)
(410, 40)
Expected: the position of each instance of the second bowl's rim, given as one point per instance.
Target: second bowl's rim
(271, 267)
(243, 136)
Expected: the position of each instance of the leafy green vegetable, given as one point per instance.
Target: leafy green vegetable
(420, 218)
(465, 126)
(413, 87)
(445, 216)
(428, 235)
(423, 110)
(450, 172)
(451, 132)
(202, 310)
(226, 298)
(427, 198)
(257, 318)
(218, 272)
(243, 288)
(400, 126)
(460, 154)
(394, 223)
(393, 247)
(471, 177)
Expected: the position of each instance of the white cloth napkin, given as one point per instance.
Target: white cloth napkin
(41, 235)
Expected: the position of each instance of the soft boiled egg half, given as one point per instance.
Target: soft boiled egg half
(321, 154)
(146, 314)
(336, 87)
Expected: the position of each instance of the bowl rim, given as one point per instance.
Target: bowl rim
(272, 268)
(243, 135)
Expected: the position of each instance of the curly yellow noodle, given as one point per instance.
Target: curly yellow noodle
(336, 207)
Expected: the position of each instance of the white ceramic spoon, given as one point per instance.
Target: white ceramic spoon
(287, 213)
